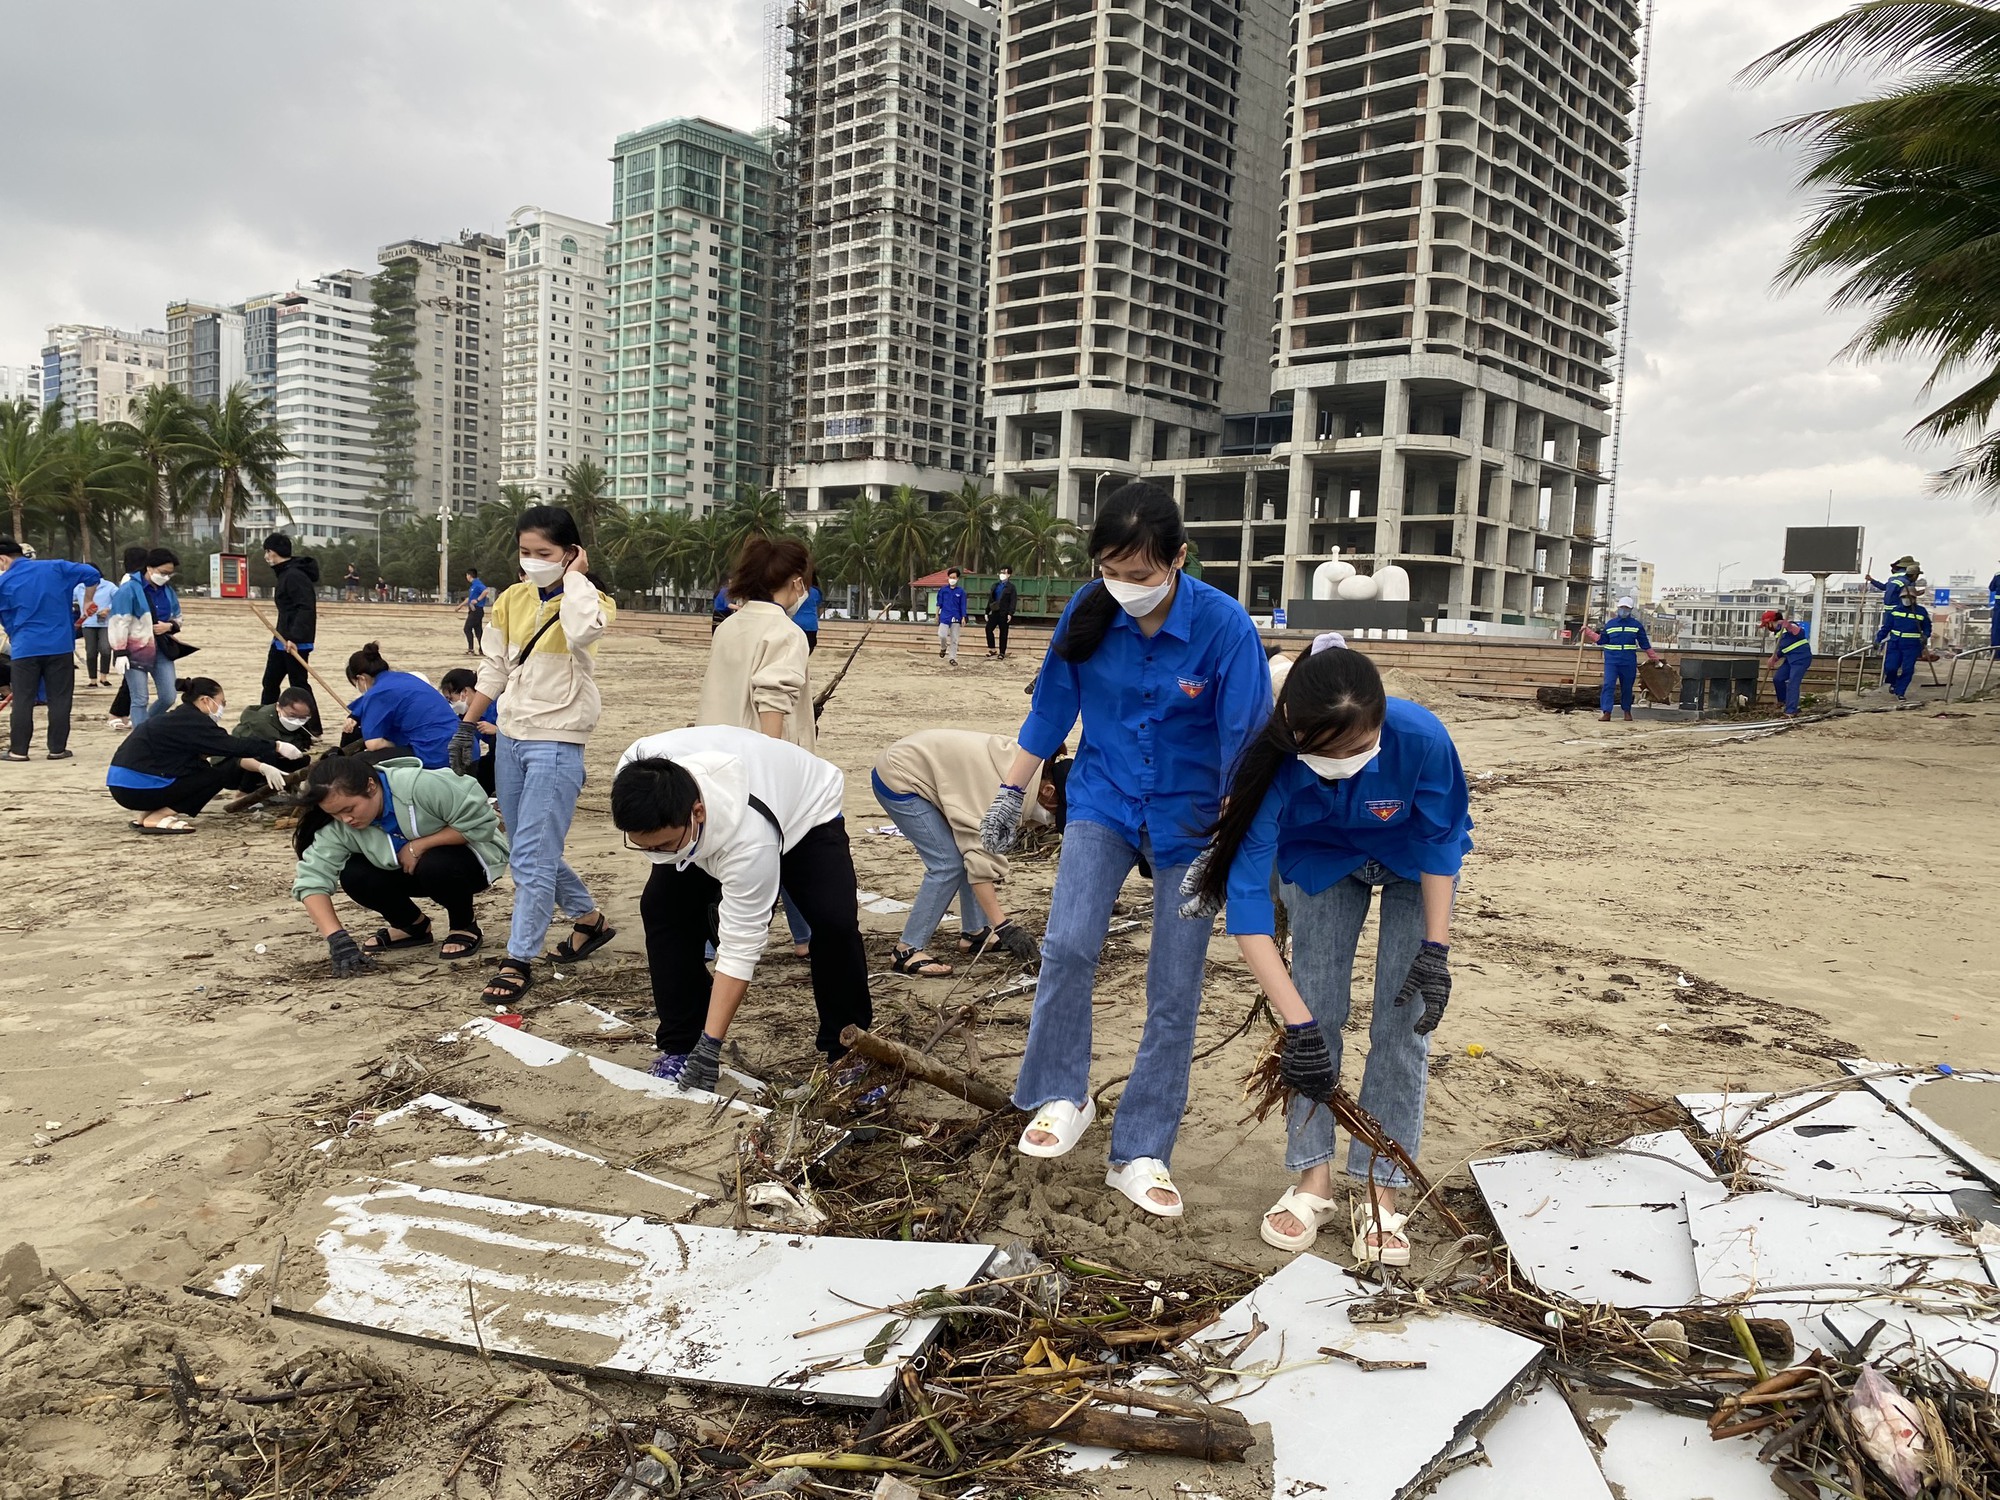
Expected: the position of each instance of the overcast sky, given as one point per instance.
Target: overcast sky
(219, 148)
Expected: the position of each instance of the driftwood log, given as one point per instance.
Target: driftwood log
(925, 1069)
(1222, 1438)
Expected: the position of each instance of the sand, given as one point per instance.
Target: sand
(1647, 911)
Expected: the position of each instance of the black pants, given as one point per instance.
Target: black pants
(475, 625)
(96, 652)
(812, 641)
(482, 769)
(449, 874)
(1002, 625)
(819, 874)
(187, 796)
(30, 675)
(281, 668)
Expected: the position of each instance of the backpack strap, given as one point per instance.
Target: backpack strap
(758, 805)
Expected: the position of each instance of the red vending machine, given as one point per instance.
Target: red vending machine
(229, 573)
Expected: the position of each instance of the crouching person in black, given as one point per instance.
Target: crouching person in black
(727, 815)
(172, 766)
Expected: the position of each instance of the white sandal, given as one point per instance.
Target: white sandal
(1136, 1180)
(1064, 1121)
(1373, 1221)
(1309, 1209)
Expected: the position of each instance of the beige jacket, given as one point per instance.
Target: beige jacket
(757, 664)
(552, 695)
(957, 771)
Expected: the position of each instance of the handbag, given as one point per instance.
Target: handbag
(173, 648)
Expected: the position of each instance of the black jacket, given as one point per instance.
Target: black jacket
(297, 597)
(181, 741)
(1001, 602)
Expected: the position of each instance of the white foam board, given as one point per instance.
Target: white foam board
(1532, 1451)
(1905, 1093)
(620, 1295)
(1849, 1144)
(1805, 1262)
(1649, 1454)
(539, 1052)
(1413, 1419)
(1608, 1228)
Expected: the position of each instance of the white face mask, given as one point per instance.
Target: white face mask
(679, 858)
(1340, 767)
(287, 722)
(1136, 599)
(158, 580)
(541, 573)
(217, 713)
(797, 604)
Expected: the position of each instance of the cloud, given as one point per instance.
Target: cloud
(230, 148)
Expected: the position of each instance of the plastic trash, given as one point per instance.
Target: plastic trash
(1887, 1427)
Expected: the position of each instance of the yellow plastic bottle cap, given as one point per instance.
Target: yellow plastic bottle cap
(1475, 1050)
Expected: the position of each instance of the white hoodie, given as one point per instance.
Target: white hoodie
(738, 847)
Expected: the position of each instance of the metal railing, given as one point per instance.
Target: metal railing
(1859, 656)
(1978, 668)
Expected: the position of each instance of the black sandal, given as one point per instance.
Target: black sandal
(975, 942)
(417, 937)
(510, 982)
(468, 941)
(918, 964)
(570, 951)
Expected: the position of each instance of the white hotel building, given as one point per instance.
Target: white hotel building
(553, 409)
(325, 361)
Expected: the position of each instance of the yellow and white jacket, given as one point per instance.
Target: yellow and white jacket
(552, 695)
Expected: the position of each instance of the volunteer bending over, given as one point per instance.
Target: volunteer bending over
(1347, 792)
(170, 767)
(727, 814)
(389, 835)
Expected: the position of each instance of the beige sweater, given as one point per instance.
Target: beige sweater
(553, 694)
(957, 771)
(757, 664)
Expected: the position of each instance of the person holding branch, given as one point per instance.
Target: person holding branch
(540, 648)
(296, 595)
(1169, 679)
(1345, 793)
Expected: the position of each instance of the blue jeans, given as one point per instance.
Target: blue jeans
(1785, 682)
(1326, 929)
(1094, 864)
(1621, 670)
(1899, 664)
(161, 675)
(929, 833)
(537, 783)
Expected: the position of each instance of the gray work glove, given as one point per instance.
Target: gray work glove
(1000, 829)
(1305, 1064)
(1016, 942)
(704, 1065)
(1429, 980)
(348, 959)
(464, 750)
(1196, 907)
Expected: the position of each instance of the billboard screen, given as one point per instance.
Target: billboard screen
(1823, 549)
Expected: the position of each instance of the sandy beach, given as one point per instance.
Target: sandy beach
(1647, 910)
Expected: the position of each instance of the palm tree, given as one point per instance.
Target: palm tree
(27, 457)
(755, 512)
(905, 538)
(95, 476)
(586, 496)
(158, 437)
(1035, 540)
(844, 548)
(969, 526)
(234, 447)
(1908, 211)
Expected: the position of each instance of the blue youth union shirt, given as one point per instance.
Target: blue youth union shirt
(35, 596)
(1164, 719)
(1408, 809)
(405, 710)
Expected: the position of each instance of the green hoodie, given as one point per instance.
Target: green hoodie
(425, 802)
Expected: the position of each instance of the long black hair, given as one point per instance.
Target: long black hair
(347, 774)
(1141, 518)
(1329, 697)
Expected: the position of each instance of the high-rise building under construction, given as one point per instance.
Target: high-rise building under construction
(890, 158)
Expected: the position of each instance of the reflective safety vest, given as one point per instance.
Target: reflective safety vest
(1903, 624)
(1620, 635)
(1787, 645)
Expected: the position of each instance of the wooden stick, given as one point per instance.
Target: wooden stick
(927, 1070)
(1172, 1406)
(293, 652)
(1211, 1441)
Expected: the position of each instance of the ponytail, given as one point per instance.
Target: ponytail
(1140, 519)
(367, 662)
(1331, 695)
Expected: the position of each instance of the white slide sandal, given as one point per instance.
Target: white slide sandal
(1372, 1221)
(1136, 1180)
(1064, 1121)
(1309, 1209)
